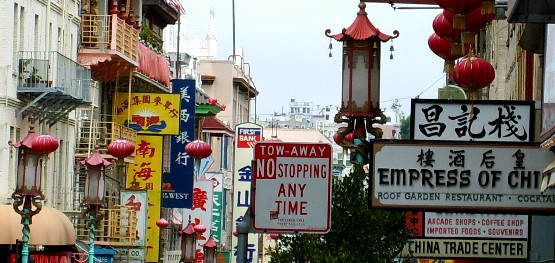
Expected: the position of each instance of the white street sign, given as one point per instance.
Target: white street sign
(458, 176)
(292, 187)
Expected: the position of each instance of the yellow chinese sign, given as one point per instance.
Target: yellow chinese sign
(148, 113)
(146, 174)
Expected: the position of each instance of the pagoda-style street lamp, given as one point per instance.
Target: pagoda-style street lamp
(188, 243)
(210, 250)
(28, 191)
(94, 194)
(361, 82)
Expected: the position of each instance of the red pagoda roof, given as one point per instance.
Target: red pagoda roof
(361, 29)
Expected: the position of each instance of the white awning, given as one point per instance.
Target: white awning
(548, 177)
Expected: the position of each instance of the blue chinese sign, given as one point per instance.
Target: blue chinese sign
(177, 187)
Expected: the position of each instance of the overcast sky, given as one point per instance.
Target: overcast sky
(284, 43)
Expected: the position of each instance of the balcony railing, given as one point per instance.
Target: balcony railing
(53, 70)
(108, 32)
(98, 135)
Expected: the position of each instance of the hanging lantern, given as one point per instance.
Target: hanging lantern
(198, 149)
(162, 223)
(459, 8)
(361, 66)
(473, 73)
(235, 233)
(95, 181)
(45, 144)
(444, 49)
(443, 27)
(274, 236)
(121, 148)
(188, 243)
(29, 167)
(210, 250)
(336, 138)
(200, 229)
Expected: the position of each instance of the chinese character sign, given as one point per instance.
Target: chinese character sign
(493, 177)
(218, 205)
(137, 201)
(146, 174)
(246, 136)
(201, 213)
(472, 120)
(177, 188)
(148, 113)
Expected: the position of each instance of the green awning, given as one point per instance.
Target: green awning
(207, 110)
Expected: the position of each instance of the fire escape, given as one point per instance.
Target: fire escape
(52, 85)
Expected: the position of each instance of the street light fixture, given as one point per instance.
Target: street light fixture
(210, 250)
(188, 243)
(28, 191)
(94, 194)
(360, 107)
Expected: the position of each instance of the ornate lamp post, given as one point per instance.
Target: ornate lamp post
(188, 243)
(360, 107)
(94, 194)
(210, 250)
(28, 191)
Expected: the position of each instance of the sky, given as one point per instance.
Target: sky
(287, 50)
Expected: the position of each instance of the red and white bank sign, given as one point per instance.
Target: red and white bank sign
(292, 187)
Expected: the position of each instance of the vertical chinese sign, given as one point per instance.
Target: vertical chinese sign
(201, 213)
(146, 174)
(137, 201)
(246, 136)
(218, 205)
(177, 187)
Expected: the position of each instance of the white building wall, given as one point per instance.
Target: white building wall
(30, 25)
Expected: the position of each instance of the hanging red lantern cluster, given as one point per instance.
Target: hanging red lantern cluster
(198, 149)
(455, 30)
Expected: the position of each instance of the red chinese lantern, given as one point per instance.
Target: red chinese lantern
(474, 21)
(443, 27)
(235, 233)
(162, 223)
(444, 49)
(336, 138)
(44, 144)
(274, 236)
(200, 229)
(473, 73)
(121, 148)
(460, 8)
(198, 149)
(350, 137)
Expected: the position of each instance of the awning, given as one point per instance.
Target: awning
(548, 177)
(50, 227)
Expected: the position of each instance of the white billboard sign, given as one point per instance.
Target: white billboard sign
(487, 120)
(292, 187)
(461, 176)
(465, 248)
(475, 225)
